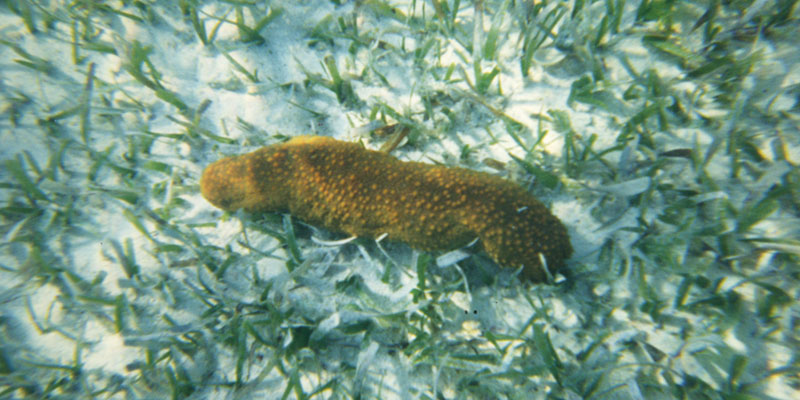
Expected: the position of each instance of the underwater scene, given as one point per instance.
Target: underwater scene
(400, 199)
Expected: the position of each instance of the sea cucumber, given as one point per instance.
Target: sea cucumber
(346, 188)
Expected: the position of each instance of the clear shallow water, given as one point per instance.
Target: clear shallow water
(664, 136)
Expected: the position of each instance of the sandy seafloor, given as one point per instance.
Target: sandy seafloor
(678, 186)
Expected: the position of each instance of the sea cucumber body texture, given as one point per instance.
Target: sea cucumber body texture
(343, 187)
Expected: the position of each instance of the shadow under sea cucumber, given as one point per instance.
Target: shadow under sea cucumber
(344, 187)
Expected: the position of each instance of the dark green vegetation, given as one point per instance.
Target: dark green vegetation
(665, 134)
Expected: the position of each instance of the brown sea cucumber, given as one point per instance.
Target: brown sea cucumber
(343, 187)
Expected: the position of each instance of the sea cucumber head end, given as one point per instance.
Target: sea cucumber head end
(222, 184)
(255, 182)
